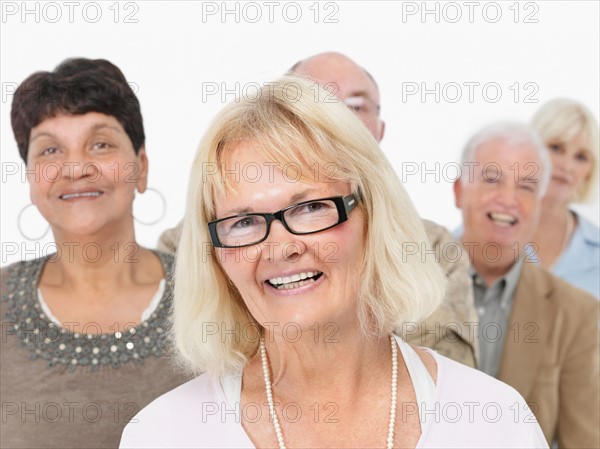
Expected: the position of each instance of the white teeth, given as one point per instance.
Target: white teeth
(293, 281)
(502, 219)
(295, 284)
(79, 195)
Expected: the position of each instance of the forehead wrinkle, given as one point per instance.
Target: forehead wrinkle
(238, 211)
(93, 127)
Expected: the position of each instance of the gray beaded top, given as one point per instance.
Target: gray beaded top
(59, 346)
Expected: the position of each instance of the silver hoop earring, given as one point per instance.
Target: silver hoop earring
(31, 239)
(163, 206)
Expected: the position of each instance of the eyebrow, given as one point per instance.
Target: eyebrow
(529, 178)
(96, 127)
(99, 126)
(42, 134)
(296, 198)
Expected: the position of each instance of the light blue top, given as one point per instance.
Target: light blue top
(579, 263)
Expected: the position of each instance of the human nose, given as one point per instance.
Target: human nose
(81, 166)
(562, 164)
(507, 196)
(281, 244)
(569, 164)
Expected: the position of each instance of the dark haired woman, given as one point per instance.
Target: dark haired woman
(83, 345)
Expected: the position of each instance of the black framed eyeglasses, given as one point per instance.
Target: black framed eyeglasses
(307, 217)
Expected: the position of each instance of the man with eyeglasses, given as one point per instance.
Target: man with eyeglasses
(349, 82)
(450, 330)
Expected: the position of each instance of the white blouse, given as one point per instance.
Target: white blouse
(466, 408)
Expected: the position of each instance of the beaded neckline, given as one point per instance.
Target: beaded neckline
(58, 346)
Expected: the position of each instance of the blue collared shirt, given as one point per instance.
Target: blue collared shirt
(579, 264)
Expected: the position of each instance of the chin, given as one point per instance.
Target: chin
(560, 194)
(81, 228)
(305, 325)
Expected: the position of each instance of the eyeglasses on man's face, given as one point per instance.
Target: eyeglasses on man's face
(307, 217)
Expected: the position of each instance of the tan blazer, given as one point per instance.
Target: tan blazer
(551, 357)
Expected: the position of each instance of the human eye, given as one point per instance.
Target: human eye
(491, 178)
(582, 157)
(240, 226)
(528, 186)
(244, 223)
(355, 104)
(48, 151)
(555, 147)
(101, 145)
(313, 208)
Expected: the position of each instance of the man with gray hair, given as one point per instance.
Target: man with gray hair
(449, 329)
(536, 332)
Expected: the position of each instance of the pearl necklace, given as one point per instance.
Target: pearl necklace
(269, 390)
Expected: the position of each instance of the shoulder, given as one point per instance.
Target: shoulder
(436, 233)
(470, 402)
(542, 283)
(184, 397)
(19, 276)
(450, 251)
(453, 259)
(457, 379)
(21, 267)
(196, 414)
(591, 232)
(167, 261)
(168, 267)
(580, 262)
(169, 239)
(169, 419)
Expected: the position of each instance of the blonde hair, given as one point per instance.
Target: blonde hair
(291, 122)
(563, 119)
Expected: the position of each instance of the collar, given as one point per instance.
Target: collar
(510, 278)
(589, 231)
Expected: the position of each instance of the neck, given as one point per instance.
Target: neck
(306, 364)
(554, 231)
(491, 272)
(95, 259)
(553, 210)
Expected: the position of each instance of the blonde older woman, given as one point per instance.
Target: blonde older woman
(289, 292)
(567, 243)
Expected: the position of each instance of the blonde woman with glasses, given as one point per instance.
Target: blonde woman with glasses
(291, 286)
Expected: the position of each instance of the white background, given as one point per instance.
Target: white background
(174, 52)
